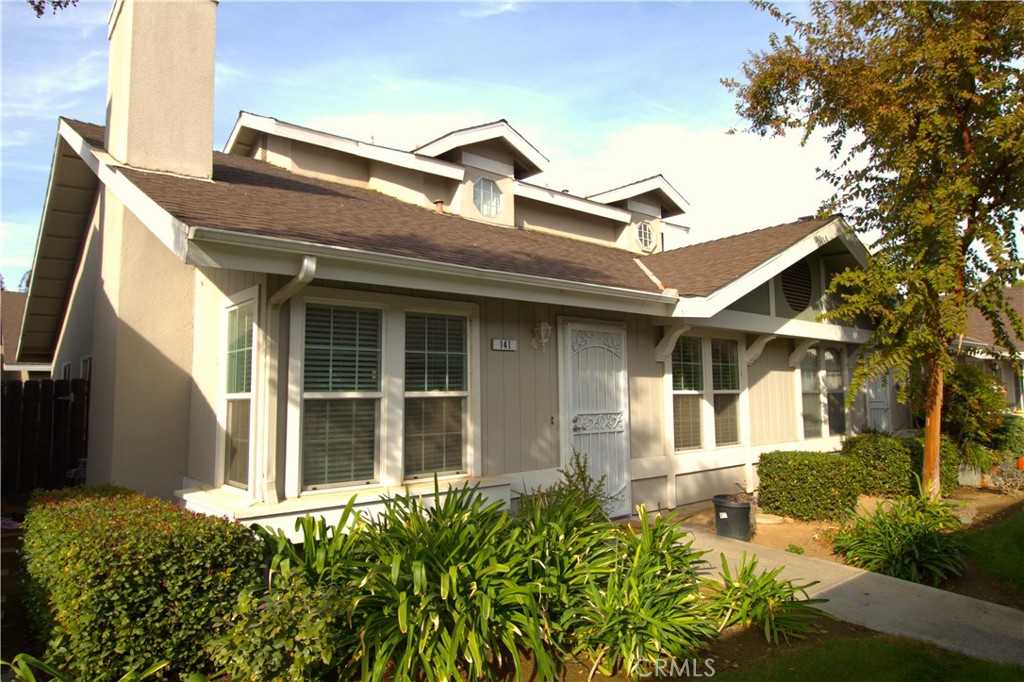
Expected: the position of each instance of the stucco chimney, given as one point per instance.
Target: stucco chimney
(160, 85)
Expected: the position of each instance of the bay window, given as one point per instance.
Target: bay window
(237, 439)
(384, 391)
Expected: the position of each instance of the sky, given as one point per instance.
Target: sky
(609, 92)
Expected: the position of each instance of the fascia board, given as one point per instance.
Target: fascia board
(483, 133)
(345, 145)
(765, 324)
(573, 203)
(717, 301)
(234, 250)
(656, 183)
(171, 232)
(51, 185)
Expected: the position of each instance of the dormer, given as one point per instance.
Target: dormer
(494, 156)
(648, 202)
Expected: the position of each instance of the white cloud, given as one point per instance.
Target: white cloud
(482, 10)
(43, 91)
(734, 183)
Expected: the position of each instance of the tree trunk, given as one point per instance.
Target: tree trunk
(932, 431)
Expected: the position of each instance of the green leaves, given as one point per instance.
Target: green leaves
(913, 540)
(751, 599)
(808, 485)
(121, 580)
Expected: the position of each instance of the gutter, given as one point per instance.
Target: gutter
(198, 234)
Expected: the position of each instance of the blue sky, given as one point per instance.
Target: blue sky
(609, 92)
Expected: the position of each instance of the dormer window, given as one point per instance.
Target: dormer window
(645, 235)
(487, 197)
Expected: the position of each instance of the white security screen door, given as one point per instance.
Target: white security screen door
(878, 405)
(597, 403)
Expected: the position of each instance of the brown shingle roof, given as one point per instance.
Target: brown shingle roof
(979, 330)
(255, 197)
(702, 269)
(12, 309)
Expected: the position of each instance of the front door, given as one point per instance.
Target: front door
(597, 405)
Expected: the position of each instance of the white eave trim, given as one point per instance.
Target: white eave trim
(570, 202)
(345, 145)
(654, 184)
(707, 306)
(490, 131)
(171, 232)
(228, 249)
(753, 323)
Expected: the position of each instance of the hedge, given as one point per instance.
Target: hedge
(122, 580)
(808, 485)
(887, 463)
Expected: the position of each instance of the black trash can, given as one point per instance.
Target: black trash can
(732, 519)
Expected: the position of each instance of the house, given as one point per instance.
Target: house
(305, 318)
(979, 344)
(12, 310)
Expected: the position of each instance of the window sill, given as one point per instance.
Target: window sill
(229, 503)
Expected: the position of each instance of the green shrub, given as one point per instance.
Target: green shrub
(1010, 438)
(568, 538)
(949, 465)
(808, 485)
(127, 580)
(650, 606)
(914, 540)
(763, 600)
(294, 630)
(972, 406)
(886, 463)
(445, 594)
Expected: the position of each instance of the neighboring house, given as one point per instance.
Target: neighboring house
(979, 344)
(12, 310)
(306, 318)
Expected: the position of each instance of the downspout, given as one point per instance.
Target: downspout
(271, 370)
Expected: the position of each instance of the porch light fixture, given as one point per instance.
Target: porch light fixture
(541, 334)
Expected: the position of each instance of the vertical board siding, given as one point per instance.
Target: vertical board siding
(773, 412)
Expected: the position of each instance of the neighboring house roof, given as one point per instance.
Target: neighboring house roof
(12, 310)
(979, 329)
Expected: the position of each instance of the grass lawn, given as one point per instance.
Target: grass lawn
(999, 550)
(879, 659)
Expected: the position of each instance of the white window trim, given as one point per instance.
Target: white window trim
(499, 204)
(707, 425)
(391, 425)
(65, 371)
(250, 295)
(86, 361)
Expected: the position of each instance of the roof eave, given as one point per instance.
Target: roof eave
(230, 249)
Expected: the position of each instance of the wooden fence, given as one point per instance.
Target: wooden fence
(43, 433)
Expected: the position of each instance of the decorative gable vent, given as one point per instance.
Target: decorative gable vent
(796, 285)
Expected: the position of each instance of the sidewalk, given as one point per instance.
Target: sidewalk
(889, 605)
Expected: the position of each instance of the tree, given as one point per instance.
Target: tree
(40, 5)
(921, 103)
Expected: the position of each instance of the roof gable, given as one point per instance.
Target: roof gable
(670, 201)
(719, 272)
(528, 160)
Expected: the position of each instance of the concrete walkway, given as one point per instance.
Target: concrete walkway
(889, 605)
